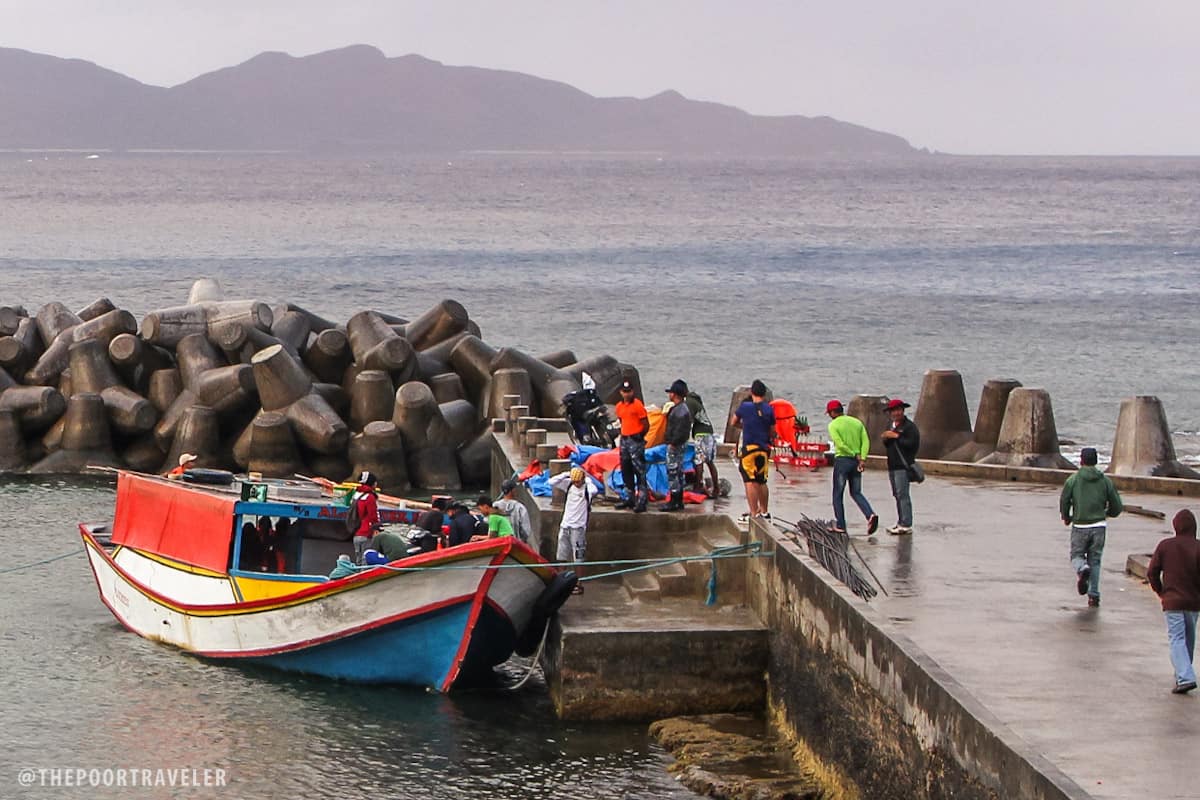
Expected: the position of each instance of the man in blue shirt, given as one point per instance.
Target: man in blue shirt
(757, 419)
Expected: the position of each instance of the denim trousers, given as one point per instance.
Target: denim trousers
(899, 479)
(845, 470)
(1087, 545)
(1181, 636)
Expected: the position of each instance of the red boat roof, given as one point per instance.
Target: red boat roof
(174, 520)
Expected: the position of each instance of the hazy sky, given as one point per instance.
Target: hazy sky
(1055, 76)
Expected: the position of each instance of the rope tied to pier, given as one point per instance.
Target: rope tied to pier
(39, 563)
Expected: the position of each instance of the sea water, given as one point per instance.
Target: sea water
(823, 279)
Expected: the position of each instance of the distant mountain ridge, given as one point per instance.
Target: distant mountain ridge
(356, 99)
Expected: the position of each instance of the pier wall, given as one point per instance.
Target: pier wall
(864, 697)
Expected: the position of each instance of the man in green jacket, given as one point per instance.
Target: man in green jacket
(1088, 500)
(850, 449)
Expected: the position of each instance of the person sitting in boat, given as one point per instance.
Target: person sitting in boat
(433, 519)
(344, 568)
(269, 552)
(367, 505)
(392, 546)
(498, 524)
(251, 554)
(462, 524)
(185, 463)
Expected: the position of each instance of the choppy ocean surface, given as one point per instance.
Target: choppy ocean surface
(1077, 275)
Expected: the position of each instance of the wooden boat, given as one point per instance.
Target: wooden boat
(173, 569)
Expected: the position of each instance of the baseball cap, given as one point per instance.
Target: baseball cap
(187, 458)
(678, 387)
(895, 403)
(833, 405)
(626, 386)
(507, 485)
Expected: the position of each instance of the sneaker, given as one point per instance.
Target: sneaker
(1183, 688)
(872, 524)
(1093, 602)
(893, 530)
(1081, 582)
(763, 515)
(744, 518)
(836, 529)
(900, 530)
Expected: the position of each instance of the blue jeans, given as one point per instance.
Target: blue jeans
(845, 470)
(1181, 635)
(899, 479)
(1087, 545)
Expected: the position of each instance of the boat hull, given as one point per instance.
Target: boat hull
(426, 627)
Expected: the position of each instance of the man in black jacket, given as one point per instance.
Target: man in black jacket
(902, 440)
(679, 430)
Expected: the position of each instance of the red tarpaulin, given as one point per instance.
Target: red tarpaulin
(175, 521)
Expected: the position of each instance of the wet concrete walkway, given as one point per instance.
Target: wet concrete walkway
(984, 587)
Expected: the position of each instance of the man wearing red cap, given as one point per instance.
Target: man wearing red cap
(901, 440)
(851, 444)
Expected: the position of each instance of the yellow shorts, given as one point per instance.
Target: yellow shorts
(755, 464)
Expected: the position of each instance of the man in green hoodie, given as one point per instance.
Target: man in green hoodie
(1088, 500)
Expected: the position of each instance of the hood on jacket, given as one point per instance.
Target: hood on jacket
(1185, 524)
(1090, 473)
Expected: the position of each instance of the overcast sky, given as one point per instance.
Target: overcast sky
(1055, 76)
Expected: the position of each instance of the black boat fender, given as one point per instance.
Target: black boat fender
(548, 602)
(211, 477)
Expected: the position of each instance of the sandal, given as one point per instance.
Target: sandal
(578, 589)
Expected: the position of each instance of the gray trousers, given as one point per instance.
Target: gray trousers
(1087, 545)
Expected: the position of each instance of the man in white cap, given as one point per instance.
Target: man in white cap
(901, 440)
(185, 463)
(367, 506)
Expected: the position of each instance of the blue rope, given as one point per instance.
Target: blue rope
(43, 561)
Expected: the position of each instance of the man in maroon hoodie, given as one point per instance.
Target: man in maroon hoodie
(1174, 574)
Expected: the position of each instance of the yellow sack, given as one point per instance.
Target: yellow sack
(658, 427)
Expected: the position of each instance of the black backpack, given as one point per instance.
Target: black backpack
(353, 517)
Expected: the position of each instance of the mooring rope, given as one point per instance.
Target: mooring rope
(750, 550)
(43, 561)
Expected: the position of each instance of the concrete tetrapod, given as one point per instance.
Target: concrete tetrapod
(475, 460)
(86, 439)
(167, 327)
(437, 324)
(136, 360)
(194, 355)
(509, 382)
(1143, 444)
(284, 386)
(380, 449)
(91, 371)
(942, 415)
(471, 358)
(870, 408)
(605, 371)
(1028, 436)
(559, 358)
(271, 447)
(292, 329)
(99, 306)
(447, 386)
(427, 443)
(550, 385)
(372, 398)
(164, 387)
(377, 346)
(992, 402)
(12, 445)
(36, 407)
(205, 290)
(198, 434)
(20, 350)
(328, 354)
(10, 318)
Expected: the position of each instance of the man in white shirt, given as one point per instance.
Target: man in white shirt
(572, 530)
